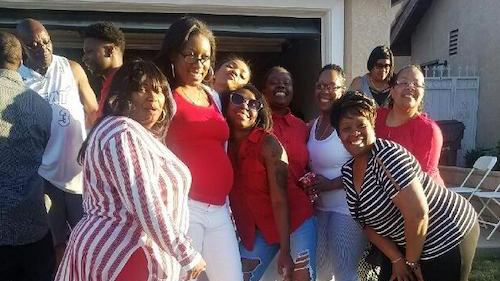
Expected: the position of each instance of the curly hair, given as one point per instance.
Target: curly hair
(107, 32)
(353, 103)
(175, 39)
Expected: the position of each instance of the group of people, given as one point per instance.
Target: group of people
(188, 171)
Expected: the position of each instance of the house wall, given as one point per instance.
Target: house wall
(479, 38)
(367, 25)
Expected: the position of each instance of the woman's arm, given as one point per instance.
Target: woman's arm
(412, 204)
(400, 270)
(133, 172)
(276, 162)
(427, 147)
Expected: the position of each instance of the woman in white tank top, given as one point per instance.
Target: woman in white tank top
(340, 240)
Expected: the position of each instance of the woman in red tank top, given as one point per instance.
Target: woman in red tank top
(260, 197)
(197, 135)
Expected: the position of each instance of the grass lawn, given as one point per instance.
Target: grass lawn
(485, 269)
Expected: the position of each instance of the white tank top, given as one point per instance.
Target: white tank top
(58, 86)
(326, 158)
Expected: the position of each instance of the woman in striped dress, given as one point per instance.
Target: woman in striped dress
(135, 189)
(427, 232)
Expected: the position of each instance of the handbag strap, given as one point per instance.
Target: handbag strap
(398, 188)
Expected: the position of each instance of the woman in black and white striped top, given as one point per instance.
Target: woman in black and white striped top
(427, 231)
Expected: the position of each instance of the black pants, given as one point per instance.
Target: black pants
(454, 265)
(30, 262)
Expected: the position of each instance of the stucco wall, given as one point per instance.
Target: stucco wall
(367, 25)
(479, 41)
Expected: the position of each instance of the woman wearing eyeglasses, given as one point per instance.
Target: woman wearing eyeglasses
(292, 134)
(375, 83)
(426, 231)
(197, 135)
(405, 123)
(340, 240)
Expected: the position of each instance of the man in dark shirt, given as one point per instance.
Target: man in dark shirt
(26, 251)
(103, 47)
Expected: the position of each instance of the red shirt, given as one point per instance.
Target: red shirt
(105, 92)
(197, 135)
(420, 135)
(251, 199)
(293, 134)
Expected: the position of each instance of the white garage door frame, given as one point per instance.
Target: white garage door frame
(331, 13)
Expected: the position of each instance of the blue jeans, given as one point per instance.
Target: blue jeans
(302, 251)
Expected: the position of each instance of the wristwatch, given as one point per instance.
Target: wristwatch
(413, 265)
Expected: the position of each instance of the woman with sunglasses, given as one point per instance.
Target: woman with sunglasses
(197, 135)
(405, 123)
(259, 199)
(375, 83)
(426, 231)
(292, 134)
(340, 240)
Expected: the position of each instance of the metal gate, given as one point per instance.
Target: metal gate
(454, 98)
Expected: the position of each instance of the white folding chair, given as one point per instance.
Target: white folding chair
(487, 197)
(483, 164)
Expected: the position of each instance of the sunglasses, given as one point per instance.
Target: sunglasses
(239, 100)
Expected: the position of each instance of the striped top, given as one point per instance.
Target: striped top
(450, 215)
(135, 195)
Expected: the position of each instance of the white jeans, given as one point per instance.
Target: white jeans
(213, 235)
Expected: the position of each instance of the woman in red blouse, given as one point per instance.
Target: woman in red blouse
(293, 134)
(405, 123)
(260, 198)
(197, 135)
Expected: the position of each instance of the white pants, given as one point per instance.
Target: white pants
(213, 235)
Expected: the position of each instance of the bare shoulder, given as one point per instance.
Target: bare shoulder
(355, 84)
(77, 69)
(272, 147)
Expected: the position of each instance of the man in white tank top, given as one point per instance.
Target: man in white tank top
(64, 84)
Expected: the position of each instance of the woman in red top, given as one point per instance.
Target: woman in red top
(197, 135)
(260, 198)
(293, 134)
(405, 123)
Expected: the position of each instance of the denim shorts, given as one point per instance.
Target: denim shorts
(302, 248)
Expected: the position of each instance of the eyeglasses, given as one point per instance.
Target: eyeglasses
(407, 84)
(328, 87)
(382, 65)
(192, 59)
(239, 100)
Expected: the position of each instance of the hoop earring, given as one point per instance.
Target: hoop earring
(172, 68)
(163, 116)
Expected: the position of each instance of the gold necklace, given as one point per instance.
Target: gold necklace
(197, 100)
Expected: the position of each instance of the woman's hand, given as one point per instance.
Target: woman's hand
(418, 274)
(285, 265)
(401, 272)
(195, 271)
